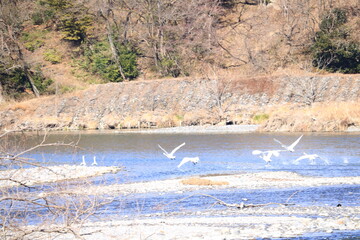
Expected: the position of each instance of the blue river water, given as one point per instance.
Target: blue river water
(143, 160)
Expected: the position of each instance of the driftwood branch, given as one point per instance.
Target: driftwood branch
(241, 205)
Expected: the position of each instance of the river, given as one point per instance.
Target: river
(219, 153)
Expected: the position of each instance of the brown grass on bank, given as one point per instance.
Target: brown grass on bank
(349, 111)
(326, 116)
(203, 182)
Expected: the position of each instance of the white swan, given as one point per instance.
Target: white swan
(311, 158)
(194, 160)
(266, 155)
(83, 163)
(94, 162)
(289, 148)
(171, 155)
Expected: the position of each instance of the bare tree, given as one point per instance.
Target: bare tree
(170, 32)
(11, 56)
(44, 205)
(308, 89)
(220, 89)
(298, 25)
(250, 45)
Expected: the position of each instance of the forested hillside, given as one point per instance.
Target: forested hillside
(57, 46)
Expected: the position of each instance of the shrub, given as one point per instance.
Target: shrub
(15, 82)
(41, 16)
(128, 60)
(33, 40)
(169, 67)
(99, 60)
(227, 3)
(41, 83)
(75, 26)
(66, 89)
(56, 4)
(71, 18)
(53, 56)
(333, 20)
(37, 18)
(259, 118)
(331, 49)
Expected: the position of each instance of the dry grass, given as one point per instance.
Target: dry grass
(20, 106)
(129, 122)
(338, 110)
(345, 114)
(329, 116)
(203, 182)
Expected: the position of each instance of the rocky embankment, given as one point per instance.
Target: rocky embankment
(185, 102)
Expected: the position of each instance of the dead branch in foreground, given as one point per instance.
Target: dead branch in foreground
(241, 205)
(31, 212)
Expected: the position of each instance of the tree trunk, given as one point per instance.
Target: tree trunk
(113, 50)
(1, 94)
(111, 42)
(31, 81)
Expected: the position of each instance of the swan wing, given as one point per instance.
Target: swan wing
(257, 152)
(177, 148)
(163, 149)
(284, 146)
(295, 143)
(301, 158)
(185, 160)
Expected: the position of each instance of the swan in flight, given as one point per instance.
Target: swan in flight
(194, 160)
(266, 155)
(83, 163)
(94, 162)
(171, 155)
(311, 158)
(289, 148)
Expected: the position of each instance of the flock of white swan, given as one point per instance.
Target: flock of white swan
(265, 155)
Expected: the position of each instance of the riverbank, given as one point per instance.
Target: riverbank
(208, 129)
(277, 103)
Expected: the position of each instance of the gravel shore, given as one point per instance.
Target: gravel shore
(261, 180)
(272, 221)
(40, 175)
(265, 222)
(198, 129)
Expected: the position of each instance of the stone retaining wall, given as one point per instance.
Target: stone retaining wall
(175, 102)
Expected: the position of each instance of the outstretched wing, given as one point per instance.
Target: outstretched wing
(185, 160)
(301, 158)
(163, 149)
(284, 146)
(177, 148)
(296, 142)
(257, 152)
